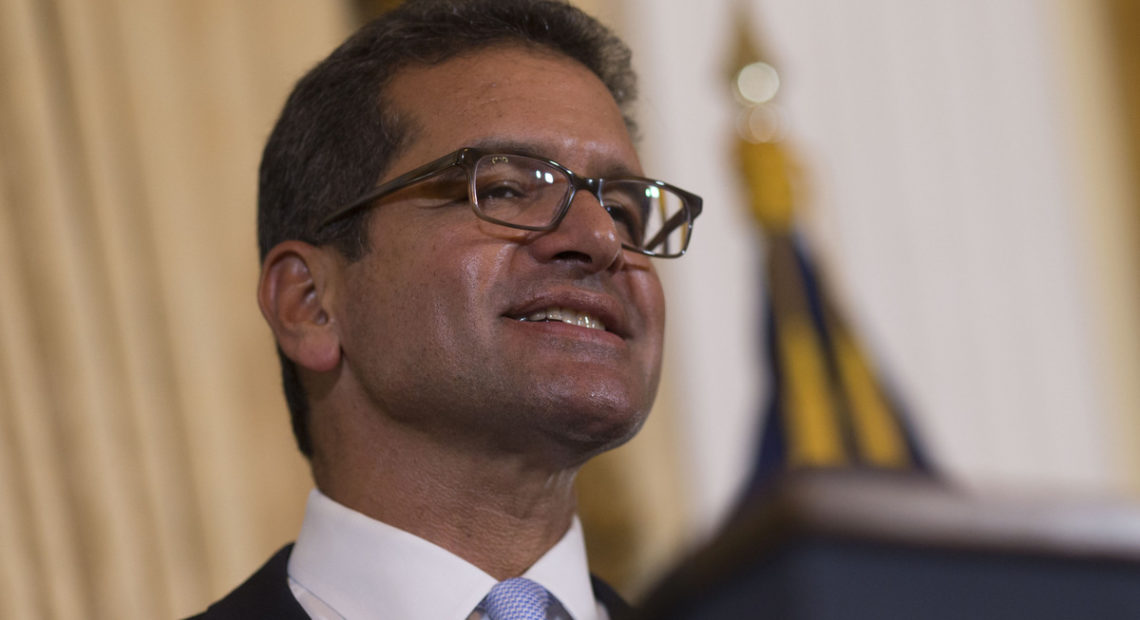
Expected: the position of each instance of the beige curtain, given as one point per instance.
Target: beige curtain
(1123, 26)
(145, 458)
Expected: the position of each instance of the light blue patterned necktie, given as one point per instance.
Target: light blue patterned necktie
(516, 599)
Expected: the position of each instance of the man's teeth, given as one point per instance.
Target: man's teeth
(565, 315)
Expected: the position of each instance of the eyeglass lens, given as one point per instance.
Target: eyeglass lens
(530, 192)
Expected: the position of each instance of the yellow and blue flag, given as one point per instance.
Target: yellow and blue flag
(828, 408)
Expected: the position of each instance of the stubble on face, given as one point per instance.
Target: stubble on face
(430, 327)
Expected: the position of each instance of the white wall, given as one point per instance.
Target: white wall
(943, 202)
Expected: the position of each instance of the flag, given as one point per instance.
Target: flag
(828, 407)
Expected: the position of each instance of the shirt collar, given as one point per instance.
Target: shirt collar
(564, 573)
(364, 568)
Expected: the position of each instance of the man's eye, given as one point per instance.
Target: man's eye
(501, 191)
(628, 223)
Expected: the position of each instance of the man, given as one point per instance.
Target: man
(462, 321)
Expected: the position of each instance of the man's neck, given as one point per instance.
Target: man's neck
(500, 512)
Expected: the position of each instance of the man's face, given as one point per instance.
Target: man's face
(430, 318)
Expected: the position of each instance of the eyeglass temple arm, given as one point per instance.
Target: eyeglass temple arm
(408, 178)
(677, 220)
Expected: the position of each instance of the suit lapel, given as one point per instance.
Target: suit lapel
(265, 594)
(610, 599)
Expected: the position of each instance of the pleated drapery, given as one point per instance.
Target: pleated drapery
(139, 408)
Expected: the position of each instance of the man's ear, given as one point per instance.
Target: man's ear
(293, 294)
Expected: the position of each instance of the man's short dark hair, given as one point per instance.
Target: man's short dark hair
(336, 135)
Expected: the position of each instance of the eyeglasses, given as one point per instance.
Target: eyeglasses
(651, 217)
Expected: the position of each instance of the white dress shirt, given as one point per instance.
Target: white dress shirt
(347, 566)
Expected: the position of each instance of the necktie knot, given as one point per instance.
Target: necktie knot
(516, 599)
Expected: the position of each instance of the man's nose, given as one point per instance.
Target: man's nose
(587, 236)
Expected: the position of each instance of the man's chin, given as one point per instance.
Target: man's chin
(585, 433)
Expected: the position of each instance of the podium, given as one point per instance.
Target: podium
(854, 545)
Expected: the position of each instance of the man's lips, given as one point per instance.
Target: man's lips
(587, 310)
(568, 316)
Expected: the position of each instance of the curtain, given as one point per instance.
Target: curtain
(1123, 26)
(146, 465)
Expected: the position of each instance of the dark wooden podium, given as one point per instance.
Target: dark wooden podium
(850, 545)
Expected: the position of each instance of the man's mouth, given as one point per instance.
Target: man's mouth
(565, 315)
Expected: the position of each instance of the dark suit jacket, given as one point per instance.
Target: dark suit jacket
(266, 594)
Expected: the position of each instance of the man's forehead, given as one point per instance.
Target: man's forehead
(513, 99)
(602, 165)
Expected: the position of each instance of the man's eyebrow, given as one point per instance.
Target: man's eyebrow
(500, 145)
(609, 169)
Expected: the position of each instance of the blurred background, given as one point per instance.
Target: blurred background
(967, 179)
